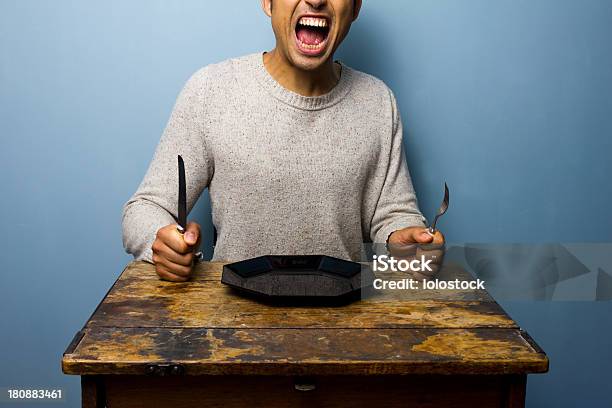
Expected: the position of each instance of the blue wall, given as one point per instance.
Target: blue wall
(509, 101)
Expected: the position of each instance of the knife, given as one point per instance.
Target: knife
(182, 204)
(182, 197)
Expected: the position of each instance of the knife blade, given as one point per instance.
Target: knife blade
(182, 196)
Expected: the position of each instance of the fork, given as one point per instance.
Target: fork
(441, 211)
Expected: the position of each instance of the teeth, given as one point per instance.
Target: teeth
(313, 21)
(311, 46)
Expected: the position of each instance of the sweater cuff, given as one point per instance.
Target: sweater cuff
(146, 255)
(141, 221)
(383, 234)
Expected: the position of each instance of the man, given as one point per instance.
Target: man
(301, 154)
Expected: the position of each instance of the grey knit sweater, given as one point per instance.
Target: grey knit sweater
(287, 174)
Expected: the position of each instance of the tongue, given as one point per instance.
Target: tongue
(310, 36)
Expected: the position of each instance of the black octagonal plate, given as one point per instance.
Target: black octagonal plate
(302, 276)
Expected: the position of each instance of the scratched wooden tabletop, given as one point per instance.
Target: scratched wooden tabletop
(209, 329)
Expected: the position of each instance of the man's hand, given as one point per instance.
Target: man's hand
(414, 242)
(173, 252)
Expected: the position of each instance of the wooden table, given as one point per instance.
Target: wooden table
(152, 343)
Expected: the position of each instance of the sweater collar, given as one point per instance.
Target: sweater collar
(338, 92)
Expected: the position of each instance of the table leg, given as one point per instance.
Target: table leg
(516, 391)
(92, 392)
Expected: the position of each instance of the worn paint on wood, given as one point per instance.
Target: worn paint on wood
(140, 299)
(210, 330)
(312, 351)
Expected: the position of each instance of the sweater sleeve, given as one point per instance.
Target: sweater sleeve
(155, 202)
(397, 205)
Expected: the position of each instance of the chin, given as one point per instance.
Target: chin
(306, 63)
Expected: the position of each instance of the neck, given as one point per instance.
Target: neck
(307, 83)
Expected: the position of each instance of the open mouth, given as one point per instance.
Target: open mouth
(311, 34)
